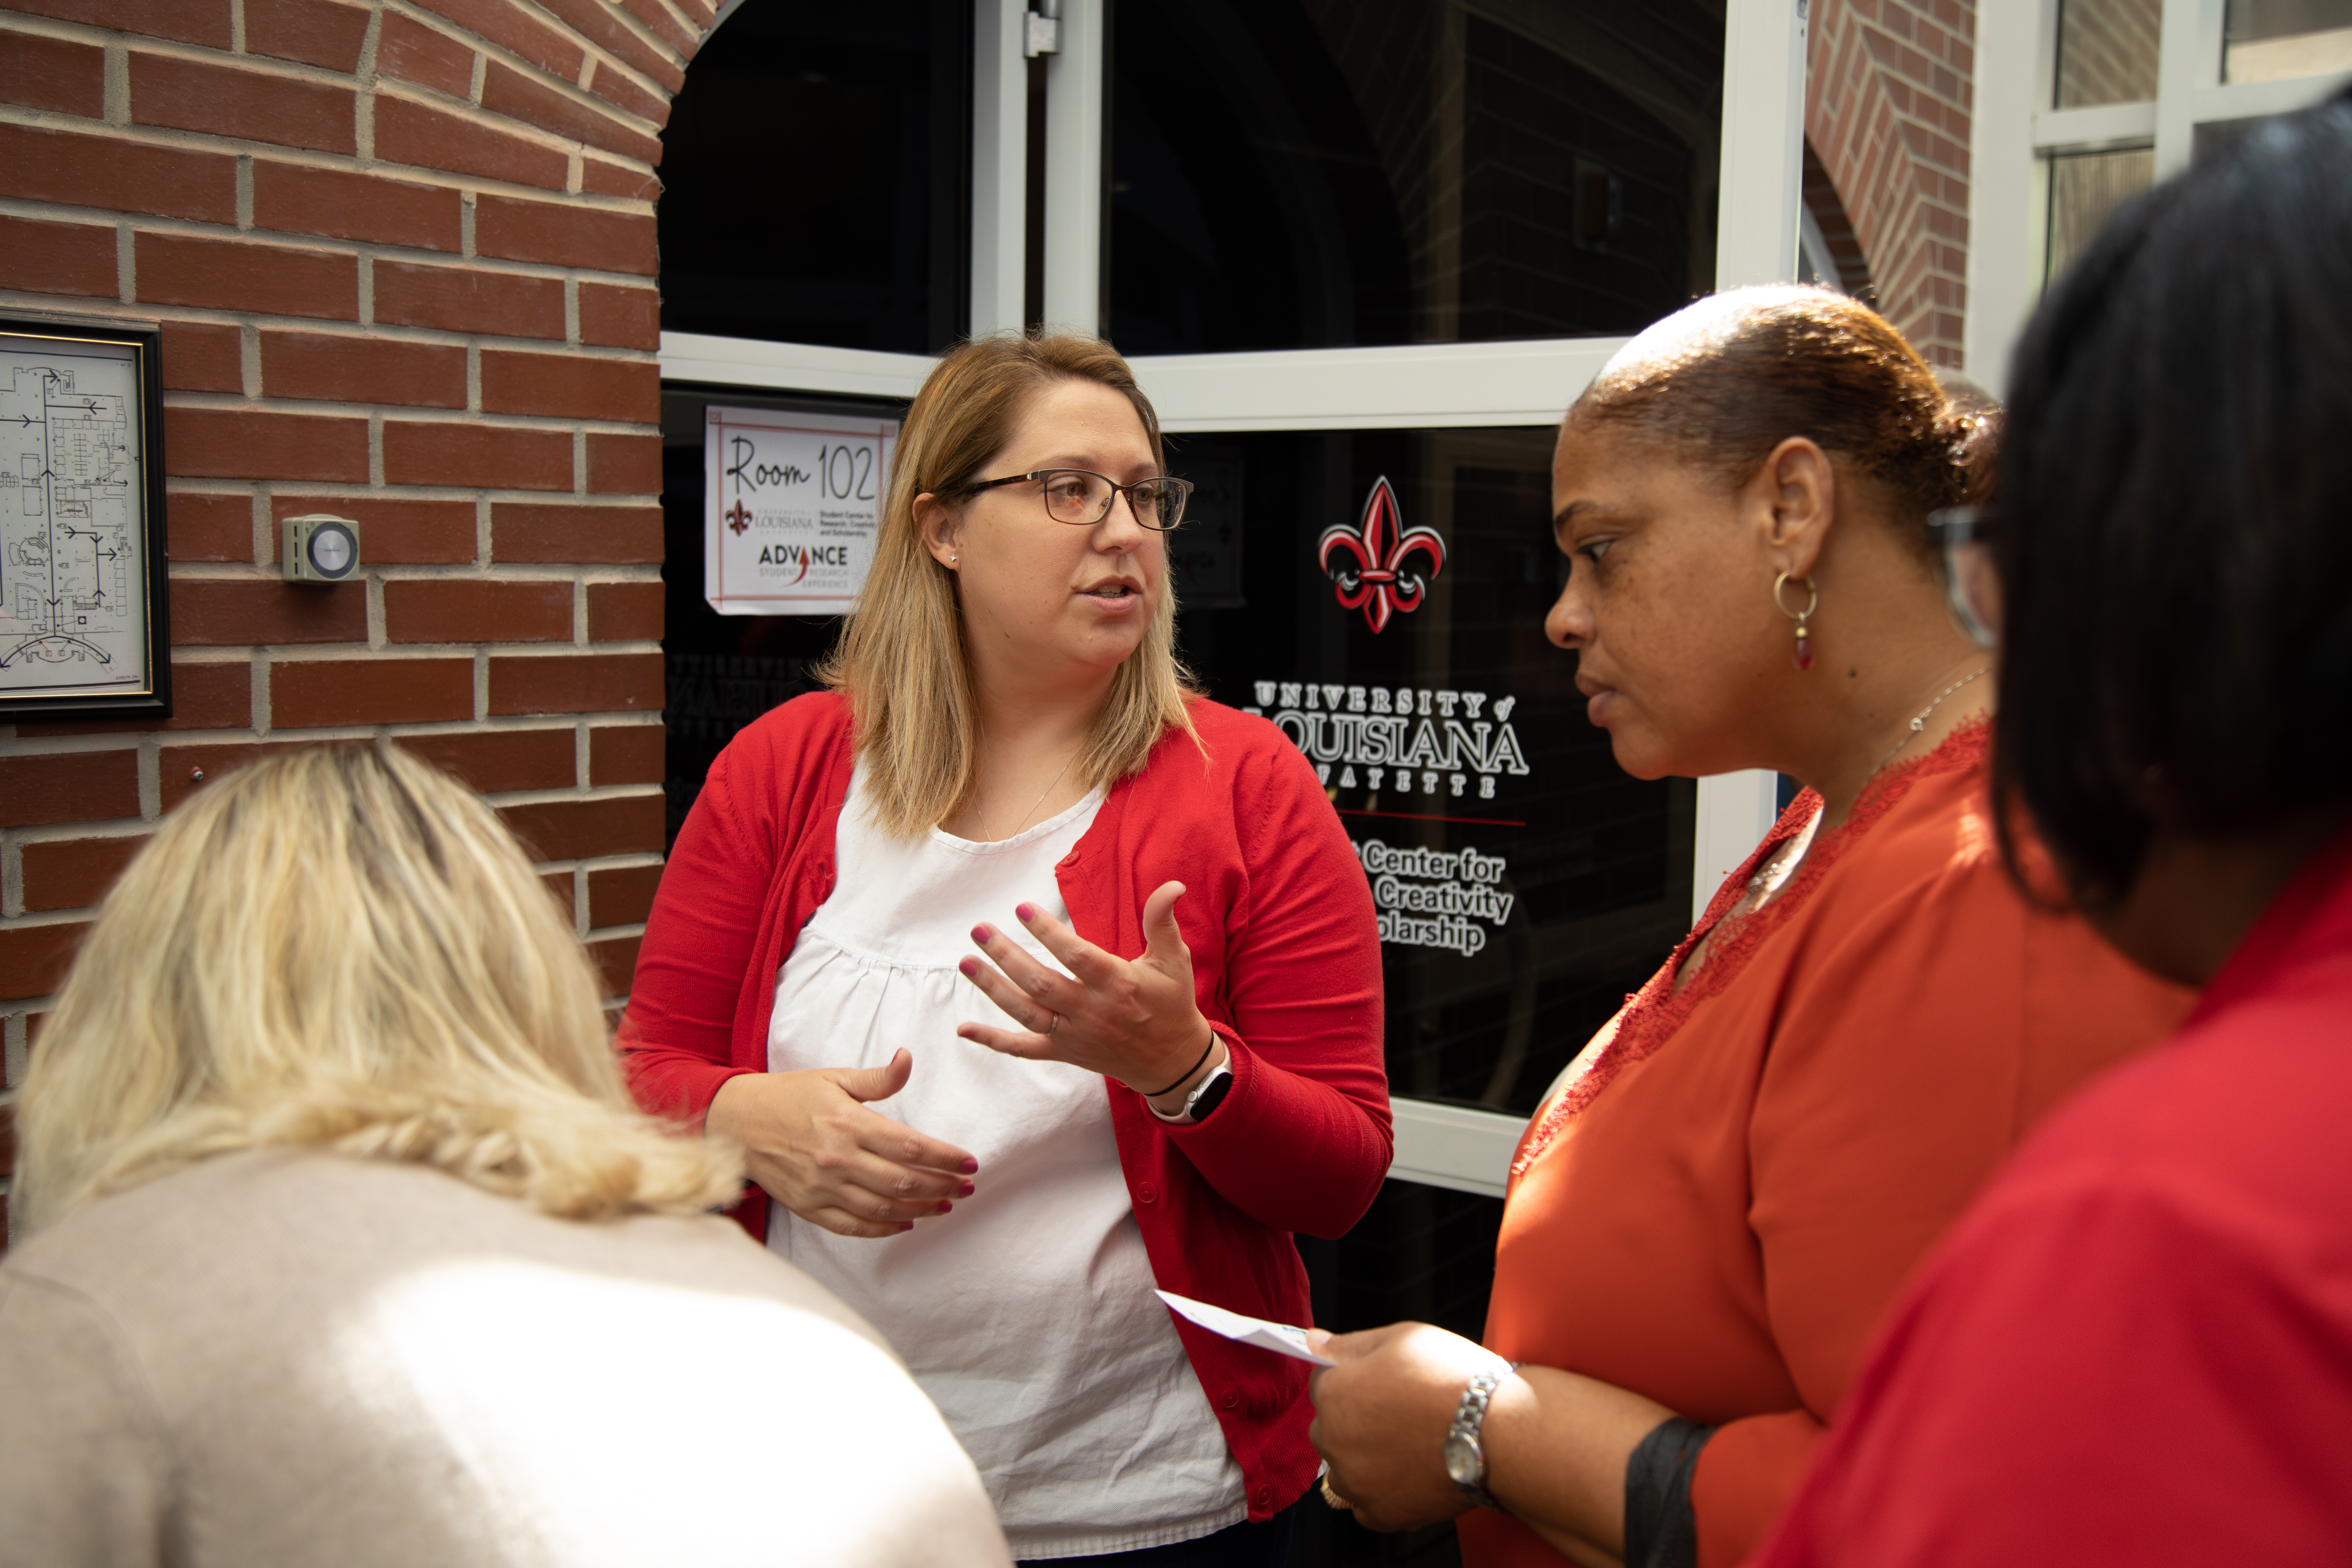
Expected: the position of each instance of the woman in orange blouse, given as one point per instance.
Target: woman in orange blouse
(1710, 1211)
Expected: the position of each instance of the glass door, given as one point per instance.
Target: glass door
(1362, 253)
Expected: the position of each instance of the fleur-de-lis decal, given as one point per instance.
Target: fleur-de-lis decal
(740, 518)
(1370, 566)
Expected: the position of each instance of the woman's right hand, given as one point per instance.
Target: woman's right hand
(814, 1148)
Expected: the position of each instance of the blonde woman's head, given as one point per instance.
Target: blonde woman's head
(958, 567)
(341, 948)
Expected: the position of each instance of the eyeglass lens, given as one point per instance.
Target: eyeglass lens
(1975, 588)
(1075, 497)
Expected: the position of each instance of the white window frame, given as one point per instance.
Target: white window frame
(1523, 384)
(2017, 132)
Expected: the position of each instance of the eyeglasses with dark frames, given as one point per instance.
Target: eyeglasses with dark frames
(1082, 498)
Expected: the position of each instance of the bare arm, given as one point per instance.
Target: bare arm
(1555, 1442)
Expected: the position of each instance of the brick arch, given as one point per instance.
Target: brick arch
(1887, 104)
(404, 252)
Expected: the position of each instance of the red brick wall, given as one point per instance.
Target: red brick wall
(404, 254)
(1886, 111)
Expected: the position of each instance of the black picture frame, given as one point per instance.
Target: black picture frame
(145, 693)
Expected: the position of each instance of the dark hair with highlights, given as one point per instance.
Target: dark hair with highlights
(2176, 554)
(1783, 362)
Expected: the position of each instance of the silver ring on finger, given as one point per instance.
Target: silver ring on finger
(1055, 1023)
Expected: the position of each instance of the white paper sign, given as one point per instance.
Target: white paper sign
(1282, 1338)
(791, 503)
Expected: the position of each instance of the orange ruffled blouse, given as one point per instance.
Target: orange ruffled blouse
(1719, 1203)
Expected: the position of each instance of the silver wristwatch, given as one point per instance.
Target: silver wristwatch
(1465, 1457)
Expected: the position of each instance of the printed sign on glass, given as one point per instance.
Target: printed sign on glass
(1380, 566)
(792, 503)
(1397, 584)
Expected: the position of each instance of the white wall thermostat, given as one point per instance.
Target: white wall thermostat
(320, 548)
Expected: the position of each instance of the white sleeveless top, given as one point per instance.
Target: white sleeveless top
(1027, 1313)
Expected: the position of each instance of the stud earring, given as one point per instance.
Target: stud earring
(1804, 633)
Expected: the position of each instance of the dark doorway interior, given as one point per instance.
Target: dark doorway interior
(816, 173)
(1318, 173)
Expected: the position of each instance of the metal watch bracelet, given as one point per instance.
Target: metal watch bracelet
(1464, 1452)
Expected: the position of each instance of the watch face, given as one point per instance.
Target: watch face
(1464, 1462)
(1212, 1095)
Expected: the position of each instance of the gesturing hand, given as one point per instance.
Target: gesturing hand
(1134, 1020)
(814, 1148)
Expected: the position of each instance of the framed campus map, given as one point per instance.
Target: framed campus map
(83, 628)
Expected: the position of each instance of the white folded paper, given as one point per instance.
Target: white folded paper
(1282, 1338)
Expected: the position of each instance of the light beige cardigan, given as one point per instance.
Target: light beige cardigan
(301, 1360)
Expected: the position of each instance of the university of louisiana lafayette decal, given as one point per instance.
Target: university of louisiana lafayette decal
(1419, 748)
(1439, 741)
(1372, 566)
(1435, 897)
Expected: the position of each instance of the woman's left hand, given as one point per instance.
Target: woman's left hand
(1133, 1020)
(1382, 1415)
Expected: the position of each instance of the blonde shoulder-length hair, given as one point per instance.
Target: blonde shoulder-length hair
(901, 660)
(341, 949)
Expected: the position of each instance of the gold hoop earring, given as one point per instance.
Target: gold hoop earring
(1813, 603)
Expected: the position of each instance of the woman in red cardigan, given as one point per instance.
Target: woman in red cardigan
(1165, 1061)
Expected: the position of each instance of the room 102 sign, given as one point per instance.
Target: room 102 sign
(791, 505)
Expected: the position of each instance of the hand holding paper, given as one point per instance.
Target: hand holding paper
(1282, 1338)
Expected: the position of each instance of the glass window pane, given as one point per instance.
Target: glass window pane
(2108, 51)
(1526, 883)
(815, 173)
(2085, 187)
(1312, 173)
(2214, 138)
(2270, 41)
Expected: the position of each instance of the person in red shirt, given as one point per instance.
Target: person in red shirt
(1182, 1065)
(2137, 1345)
(1715, 1206)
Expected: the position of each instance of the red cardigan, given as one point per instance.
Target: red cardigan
(1286, 963)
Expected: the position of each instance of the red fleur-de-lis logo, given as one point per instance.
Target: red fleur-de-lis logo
(1370, 566)
(738, 520)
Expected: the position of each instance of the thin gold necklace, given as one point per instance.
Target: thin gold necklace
(1777, 870)
(988, 837)
(1919, 723)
